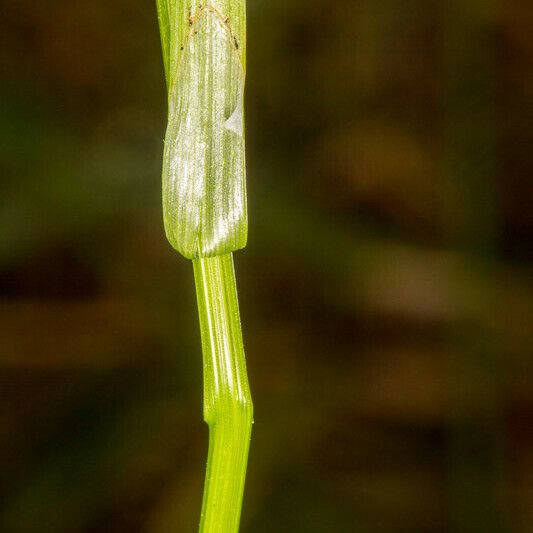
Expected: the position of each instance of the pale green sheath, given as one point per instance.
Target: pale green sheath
(204, 177)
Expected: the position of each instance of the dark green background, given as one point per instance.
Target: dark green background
(385, 291)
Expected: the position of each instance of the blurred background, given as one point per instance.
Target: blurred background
(386, 292)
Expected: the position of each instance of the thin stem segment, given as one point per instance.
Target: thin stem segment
(228, 406)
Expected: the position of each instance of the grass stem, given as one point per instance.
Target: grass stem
(228, 406)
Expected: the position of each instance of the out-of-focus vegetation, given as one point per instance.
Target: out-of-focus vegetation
(385, 291)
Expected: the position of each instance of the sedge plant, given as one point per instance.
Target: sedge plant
(205, 218)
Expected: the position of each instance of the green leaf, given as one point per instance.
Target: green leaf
(163, 15)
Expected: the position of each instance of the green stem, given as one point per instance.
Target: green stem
(227, 401)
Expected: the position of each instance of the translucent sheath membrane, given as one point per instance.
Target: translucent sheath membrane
(204, 189)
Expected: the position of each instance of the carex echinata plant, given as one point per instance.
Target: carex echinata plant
(205, 216)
